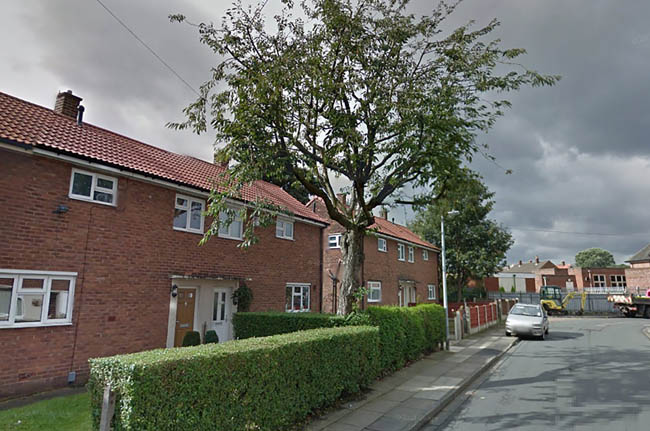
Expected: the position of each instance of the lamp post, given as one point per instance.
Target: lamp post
(444, 275)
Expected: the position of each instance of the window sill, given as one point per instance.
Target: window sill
(196, 232)
(374, 300)
(92, 201)
(34, 325)
(234, 238)
(285, 238)
(383, 251)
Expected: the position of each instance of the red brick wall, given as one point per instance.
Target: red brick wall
(124, 257)
(379, 266)
(582, 273)
(637, 277)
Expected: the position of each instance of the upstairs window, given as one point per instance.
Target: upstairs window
(374, 291)
(425, 254)
(400, 252)
(33, 298)
(297, 299)
(411, 255)
(381, 244)
(432, 291)
(599, 280)
(188, 214)
(284, 229)
(234, 229)
(334, 241)
(89, 186)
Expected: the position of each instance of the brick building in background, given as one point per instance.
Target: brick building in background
(638, 274)
(100, 248)
(399, 267)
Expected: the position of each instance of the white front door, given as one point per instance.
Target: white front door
(222, 313)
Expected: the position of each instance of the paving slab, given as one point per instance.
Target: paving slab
(412, 396)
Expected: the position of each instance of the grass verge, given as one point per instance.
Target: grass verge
(69, 413)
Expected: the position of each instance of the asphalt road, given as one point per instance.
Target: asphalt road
(589, 374)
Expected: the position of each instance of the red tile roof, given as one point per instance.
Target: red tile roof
(402, 232)
(29, 124)
(386, 227)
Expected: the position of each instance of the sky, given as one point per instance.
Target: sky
(578, 151)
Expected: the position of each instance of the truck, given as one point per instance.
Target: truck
(631, 305)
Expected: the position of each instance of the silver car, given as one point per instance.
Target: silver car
(527, 319)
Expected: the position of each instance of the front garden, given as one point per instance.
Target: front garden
(283, 368)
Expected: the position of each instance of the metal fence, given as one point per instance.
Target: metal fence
(594, 303)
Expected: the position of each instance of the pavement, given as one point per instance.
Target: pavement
(412, 396)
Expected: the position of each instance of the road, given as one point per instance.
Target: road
(589, 374)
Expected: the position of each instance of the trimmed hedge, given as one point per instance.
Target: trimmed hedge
(191, 338)
(267, 383)
(407, 332)
(264, 324)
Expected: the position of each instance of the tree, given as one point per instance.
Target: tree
(594, 258)
(354, 89)
(476, 246)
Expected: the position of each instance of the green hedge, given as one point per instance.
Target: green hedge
(264, 324)
(267, 383)
(406, 333)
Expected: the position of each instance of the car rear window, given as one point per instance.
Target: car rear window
(526, 310)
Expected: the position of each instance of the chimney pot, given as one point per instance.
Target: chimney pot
(530, 260)
(536, 259)
(520, 263)
(384, 213)
(67, 104)
(563, 263)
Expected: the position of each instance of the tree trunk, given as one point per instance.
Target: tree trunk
(352, 250)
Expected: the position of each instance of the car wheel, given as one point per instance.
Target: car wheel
(543, 336)
(546, 331)
(508, 334)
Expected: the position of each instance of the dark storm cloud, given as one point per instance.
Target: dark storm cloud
(578, 151)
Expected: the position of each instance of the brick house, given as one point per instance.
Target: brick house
(531, 276)
(399, 267)
(599, 278)
(100, 248)
(638, 274)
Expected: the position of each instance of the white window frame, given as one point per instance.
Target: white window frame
(617, 280)
(431, 292)
(401, 252)
(411, 254)
(281, 224)
(241, 227)
(189, 200)
(94, 187)
(383, 241)
(303, 286)
(337, 240)
(425, 254)
(18, 276)
(599, 280)
(374, 286)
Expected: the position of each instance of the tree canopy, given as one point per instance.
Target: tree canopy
(359, 90)
(476, 246)
(595, 258)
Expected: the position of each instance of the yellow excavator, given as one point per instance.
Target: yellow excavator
(554, 303)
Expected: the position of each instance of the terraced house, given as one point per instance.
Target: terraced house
(399, 267)
(100, 248)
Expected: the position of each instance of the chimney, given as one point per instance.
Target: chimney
(342, 198)
(563, 263)
(520, 263)
(67, 104)
(384, 213)
(536, 259)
